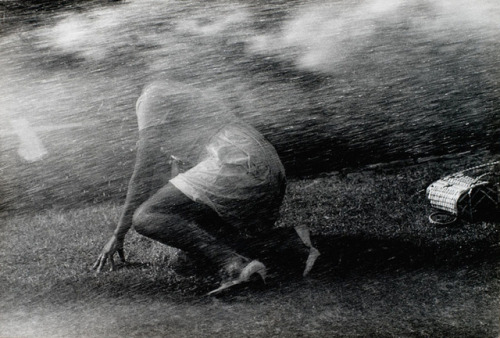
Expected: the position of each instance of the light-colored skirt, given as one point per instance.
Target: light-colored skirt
(239, 175)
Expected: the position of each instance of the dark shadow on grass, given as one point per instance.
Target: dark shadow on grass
(358, 253)
(342, 257)
(284, 253)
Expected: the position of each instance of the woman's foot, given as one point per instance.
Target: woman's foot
(246, 274)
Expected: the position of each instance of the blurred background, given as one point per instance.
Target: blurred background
(332, 84)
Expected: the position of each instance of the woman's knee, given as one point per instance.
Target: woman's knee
(149, 220)
(142, 220)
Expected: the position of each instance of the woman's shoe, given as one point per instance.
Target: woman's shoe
(254, 268)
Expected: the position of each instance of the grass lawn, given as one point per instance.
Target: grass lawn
(420, 82)
(385, 270)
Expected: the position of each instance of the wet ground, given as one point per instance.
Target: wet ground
(334, 86)
(377, 275)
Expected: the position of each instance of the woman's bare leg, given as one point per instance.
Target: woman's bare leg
(171, 218)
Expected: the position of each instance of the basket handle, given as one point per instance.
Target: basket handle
(460, 173)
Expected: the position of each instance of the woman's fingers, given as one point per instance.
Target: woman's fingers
(112, 263)
(121, 254)
(101, 261)
(97, 262)
(103, 258)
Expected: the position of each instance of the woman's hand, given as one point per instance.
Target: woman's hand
(114, 245)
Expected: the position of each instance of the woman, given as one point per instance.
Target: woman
(202, 180)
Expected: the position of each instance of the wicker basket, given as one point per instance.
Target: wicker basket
(463, 196)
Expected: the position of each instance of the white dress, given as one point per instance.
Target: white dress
(234, 170)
